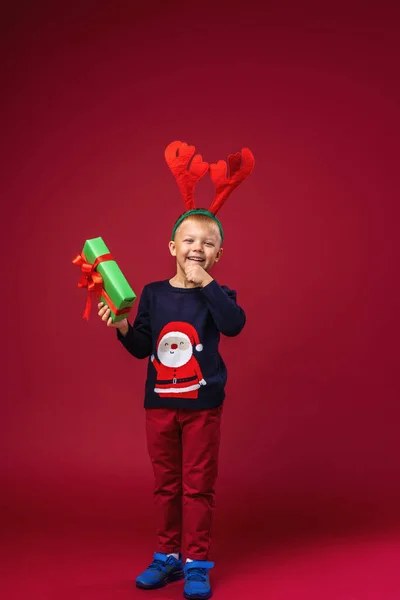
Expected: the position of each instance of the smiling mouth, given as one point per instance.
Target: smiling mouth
(195, 259)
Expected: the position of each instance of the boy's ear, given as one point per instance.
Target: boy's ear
(219, 254)
(172, 247)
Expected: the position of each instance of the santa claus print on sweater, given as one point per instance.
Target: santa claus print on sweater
(178, 372)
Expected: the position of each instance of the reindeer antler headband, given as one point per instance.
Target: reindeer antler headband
(178, 156)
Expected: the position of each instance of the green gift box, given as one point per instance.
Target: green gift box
(103, 278)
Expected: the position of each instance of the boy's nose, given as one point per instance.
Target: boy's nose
(174, 346)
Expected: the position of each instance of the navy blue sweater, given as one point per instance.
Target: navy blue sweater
(179, 330)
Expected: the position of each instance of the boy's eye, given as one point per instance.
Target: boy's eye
(209, 244)
(188, 240)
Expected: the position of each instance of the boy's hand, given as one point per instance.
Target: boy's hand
(104, 314)
(196, 274)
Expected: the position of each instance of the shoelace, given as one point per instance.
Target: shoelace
(197, 574)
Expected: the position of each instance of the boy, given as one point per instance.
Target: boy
(178, 325)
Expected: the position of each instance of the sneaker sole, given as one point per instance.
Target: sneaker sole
(169, 579)
(197, 596)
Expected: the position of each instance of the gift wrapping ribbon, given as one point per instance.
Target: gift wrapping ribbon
(93, 281)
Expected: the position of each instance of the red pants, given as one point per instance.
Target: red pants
(183, 446)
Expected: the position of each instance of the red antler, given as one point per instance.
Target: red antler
(224, 186)
(178, 155)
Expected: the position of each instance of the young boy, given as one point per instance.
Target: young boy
(178, 326)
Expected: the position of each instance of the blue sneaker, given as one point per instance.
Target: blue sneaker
(197, 580)
(162, 570)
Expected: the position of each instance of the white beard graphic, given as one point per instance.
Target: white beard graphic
(174, 351)
(175, 358)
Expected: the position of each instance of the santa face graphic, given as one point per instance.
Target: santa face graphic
(175, 350)
(178, 372)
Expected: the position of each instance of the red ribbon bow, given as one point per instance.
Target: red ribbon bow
(90, 279)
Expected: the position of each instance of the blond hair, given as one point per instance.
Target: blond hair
(203, 220)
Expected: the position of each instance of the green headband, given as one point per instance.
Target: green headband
(197, 211)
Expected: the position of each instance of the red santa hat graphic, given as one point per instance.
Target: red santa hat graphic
(182, 330)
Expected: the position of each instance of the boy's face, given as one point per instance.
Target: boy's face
(196, 243)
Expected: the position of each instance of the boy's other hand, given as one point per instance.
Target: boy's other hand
(196, 274)
(104, 314)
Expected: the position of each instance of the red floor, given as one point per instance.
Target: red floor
(359, 568)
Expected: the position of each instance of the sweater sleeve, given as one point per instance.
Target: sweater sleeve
(138, 340)
(228, 316)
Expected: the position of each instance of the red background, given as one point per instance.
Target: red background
(91, 97)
